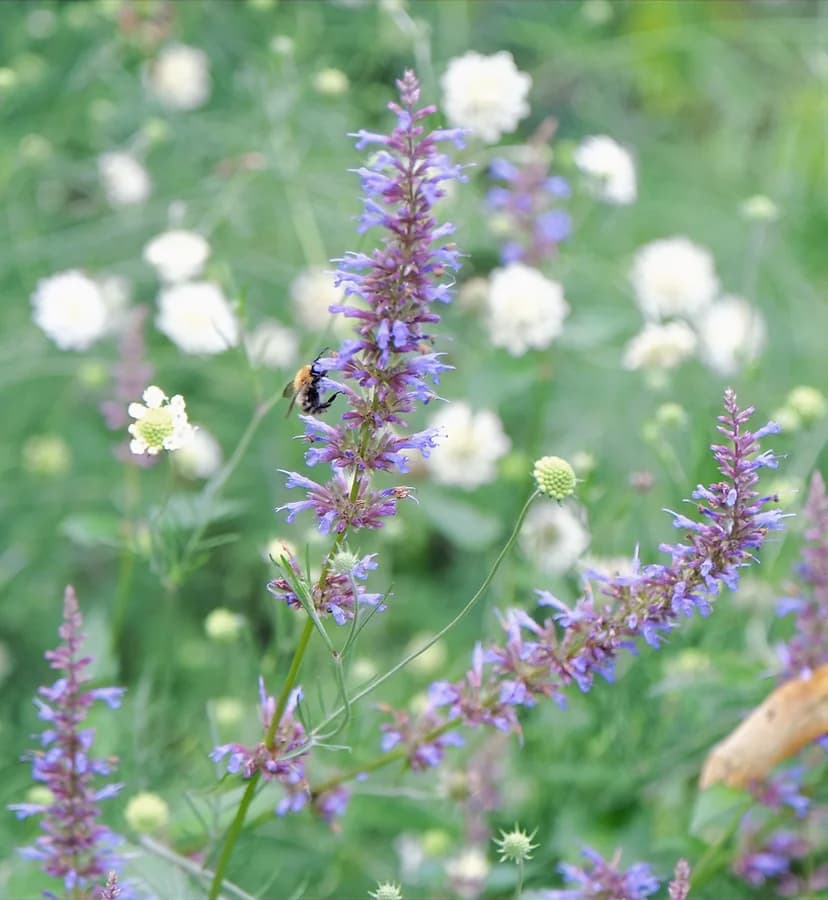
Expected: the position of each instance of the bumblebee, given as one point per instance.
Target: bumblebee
(304, 389)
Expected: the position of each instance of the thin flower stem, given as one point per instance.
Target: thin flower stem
(247, 798)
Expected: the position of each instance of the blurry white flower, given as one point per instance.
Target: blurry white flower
(474, 294)
(271, 344)
(125, 181)
(659, 346)
(673, 277)
(526, 310)
(180, 77)
(46, 454)
(467, 872)
(760, 208)
(70, 308)
(201, 458)
(553, 537)
(597, 12)
(331, 82)
(470, 445)
(313, 291)
(197, 317)
(161, 423)
(485, 93)
(281, 44)
(732, 333)
(177, 255)
(610, 167)
(116, 291)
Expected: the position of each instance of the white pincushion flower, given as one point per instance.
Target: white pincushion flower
(553, 537)
(125, 181)
(732, 334)
(71, 309)
(271, 344)
(610, 168)
(177, 255)
(197, 317)
(470, 445)
(525, 309)
(486, 94)
(180, 77)
(313, 291)
(201, 458)
(660, 346)
(161, 423)
(673, 277)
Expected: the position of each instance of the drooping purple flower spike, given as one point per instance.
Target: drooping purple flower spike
(389, 366)
(75, 847)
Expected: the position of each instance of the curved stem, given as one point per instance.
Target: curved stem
(247, 798)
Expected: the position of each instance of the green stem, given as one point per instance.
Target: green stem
(247, 798)
(446, 628)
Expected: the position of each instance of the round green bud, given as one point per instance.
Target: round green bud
(227, 711)
(555, 477)
(808, 402)
(343, 562)
(671, 415)
(787, 418)
(40, 794)
(760, 208)
(515, 845)
(223, 625)
(146, 813)
(47, 454)
(386, 891)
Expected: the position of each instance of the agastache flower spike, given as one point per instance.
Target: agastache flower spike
(574, 644)
(75, 847)
(389, 366)
(602, 878)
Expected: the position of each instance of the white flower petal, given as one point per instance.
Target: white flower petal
(154, 397)
(136, 410)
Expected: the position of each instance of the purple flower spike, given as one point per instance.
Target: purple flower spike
(601, 879)
(75, 847)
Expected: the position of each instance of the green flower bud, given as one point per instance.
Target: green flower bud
(386, 891)
(515, 845)
(808, 402)
(555, 477)
(146, 813)
(223, 625)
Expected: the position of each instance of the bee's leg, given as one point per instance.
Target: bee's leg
(328, 402)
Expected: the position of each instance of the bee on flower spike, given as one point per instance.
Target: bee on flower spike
(304, 389)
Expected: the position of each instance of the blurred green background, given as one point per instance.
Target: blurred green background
(719, 100)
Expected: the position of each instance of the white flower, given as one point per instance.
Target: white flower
(553, 537)
(659, 346)
(161, 423)
(470, 447)
(610, 167)
(673, 277)
(485, 93)
(313, 291)
(526, 310)
(732, 334)
(71, 309)
(467, 872)
(331, 82)
(271, 344)
(180, 77)
(125, 181)
(197, 317)
(201, 458)
(177, 255)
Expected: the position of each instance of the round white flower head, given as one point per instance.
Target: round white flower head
(197, 317)
(125, 181)
(659, 346)
(177, 255)
(472, 444)
(71, 309)
(486, 94)
(553, 537)
(161, 423)
(467, 871)
(313, 291)
(201, 458)
(732, 334)
(272, 345)
(526, 309)
(610, 168)
(673, 277)
(180, 77)
(331, 82)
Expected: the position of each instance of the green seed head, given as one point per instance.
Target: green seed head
(555, 477)
(515, 845)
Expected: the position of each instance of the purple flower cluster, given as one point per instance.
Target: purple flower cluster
(387, 367)
(282, 759)
(604, 880)
(75, 846)
(528, 202)
(422, 734)
(339, 594)
(537, 660)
